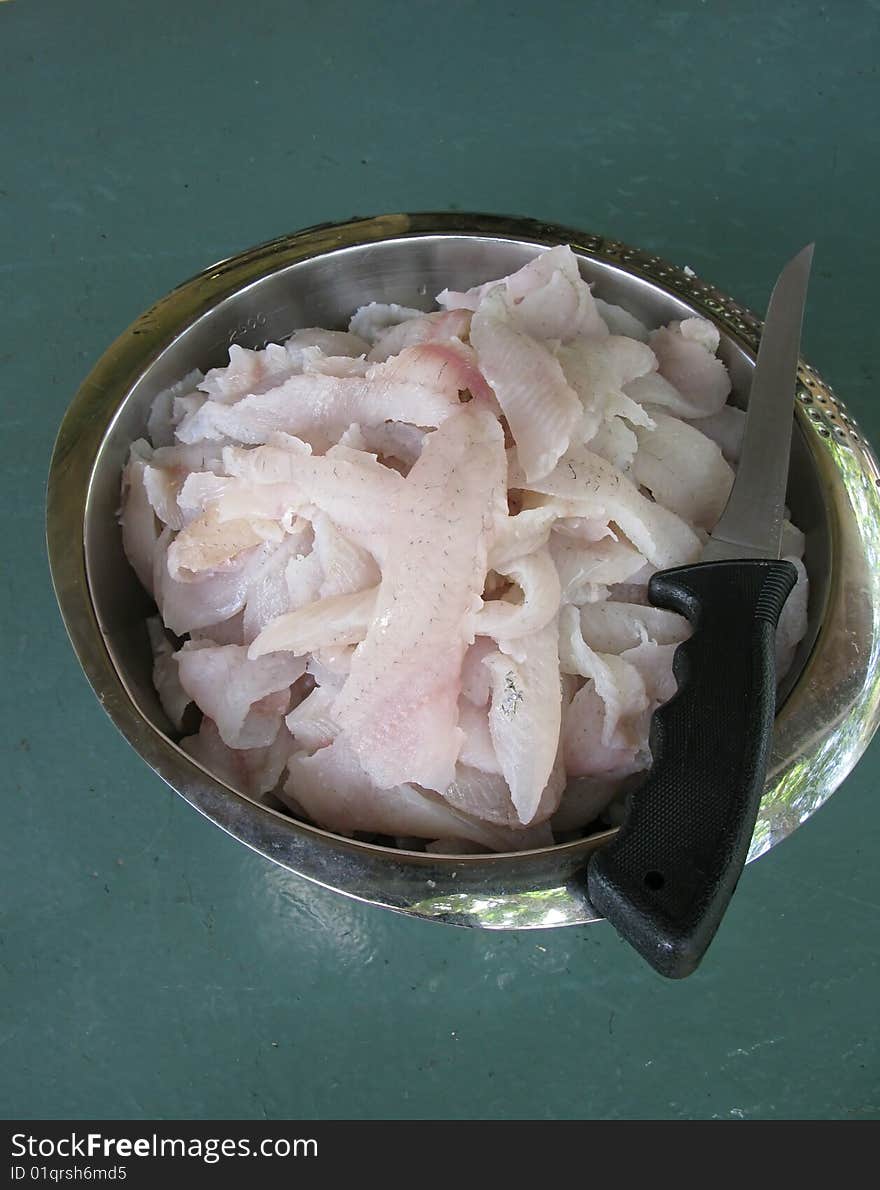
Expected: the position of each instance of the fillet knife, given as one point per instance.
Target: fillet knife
(665, 880)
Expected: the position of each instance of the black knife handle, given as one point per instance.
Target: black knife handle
(665, 880)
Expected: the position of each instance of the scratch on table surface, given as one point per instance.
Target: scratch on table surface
(744, 1053)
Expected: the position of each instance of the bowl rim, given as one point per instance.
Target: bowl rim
(509, 890)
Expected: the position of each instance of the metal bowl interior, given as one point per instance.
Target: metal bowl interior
(317, 278)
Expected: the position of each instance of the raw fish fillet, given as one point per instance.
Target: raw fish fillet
(370, 322)
(430, 328)
(166, 679)
(247, 372)
(335, 620)
(683, 470)
(614, 627)
(210, 599)
(550, 298)
(477, 749)
(584, 484)
(536, 576)
(311, 723)
(540, 407)
(621, 322)
(525, 714)
(335, 343)
(241, 696)
(161, 422)
(337, 794)
(726, 428)
(140, 531)
(686, 357)
(252, 771)
(399, 705)
(319, 408)
(584, 571)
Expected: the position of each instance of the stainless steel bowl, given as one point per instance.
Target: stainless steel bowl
(317, 277)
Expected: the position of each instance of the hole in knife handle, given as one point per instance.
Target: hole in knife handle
(654, 881)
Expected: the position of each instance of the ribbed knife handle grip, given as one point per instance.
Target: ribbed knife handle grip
(665, 880)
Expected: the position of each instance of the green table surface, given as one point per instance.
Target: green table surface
(152, 966)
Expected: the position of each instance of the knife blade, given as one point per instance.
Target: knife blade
(665, 881)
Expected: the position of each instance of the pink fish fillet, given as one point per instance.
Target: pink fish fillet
(552, 300)
(319, 408)
(431, 328)
(541, 408)
(399, 705)
(252, 771)
(338, 795)
(447, 368)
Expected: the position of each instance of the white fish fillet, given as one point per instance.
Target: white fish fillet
(211, 599)
(683, 469)
(476, 681)
(621, 322)
(598, 370)
(140, 530)
(520, 535)
(303, 577)
(584, 571)
(393, 440)
(269, 592)
(247, 372)
(477, 749)
(654, 663)
(430, 328)
(446, 368)
(332, 343)
(166, 679)
(166, 473)
(337, 794)
(536, 576)
(311, 723)
(370, 322)
(252, 771)
(161, 422)
(686, 357)
(336, 620)
(331, 666)
(226, 632)
(541, 409)
(316, 363)
(584, 800)
(552, 301)
(588, 486)
(614, 627)
(347, 566)
(271, 482)
(399, 705)
(318, 408)
(483, 795)
(617, 682)
(525, 716)
(209, 544)
(726, 428)
(586, 750)
(246, 700)
(615, 442)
